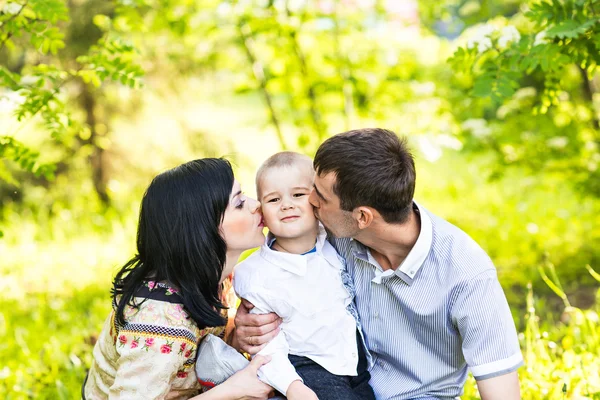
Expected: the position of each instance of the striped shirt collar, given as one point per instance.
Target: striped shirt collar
(294, 263)
(409, 268)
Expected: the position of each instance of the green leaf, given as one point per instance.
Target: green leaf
(102, 21)
(570, 28)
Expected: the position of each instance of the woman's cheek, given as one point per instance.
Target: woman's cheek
(240, 228)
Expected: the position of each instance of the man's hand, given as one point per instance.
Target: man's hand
(254, 331)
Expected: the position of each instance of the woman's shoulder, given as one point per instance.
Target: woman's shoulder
(158, 308)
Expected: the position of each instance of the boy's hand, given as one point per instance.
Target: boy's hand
(299, 391)
(254, 331)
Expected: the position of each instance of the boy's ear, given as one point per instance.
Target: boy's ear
(363, 216)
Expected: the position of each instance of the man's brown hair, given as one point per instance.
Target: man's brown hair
(373, 167)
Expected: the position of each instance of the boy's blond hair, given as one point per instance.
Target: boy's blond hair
(284, 159)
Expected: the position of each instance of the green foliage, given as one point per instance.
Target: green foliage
(248, 78)
(27, 159)
(532, 81)
(561, 33)
(35, 28)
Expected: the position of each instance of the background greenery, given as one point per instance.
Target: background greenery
(499, 99)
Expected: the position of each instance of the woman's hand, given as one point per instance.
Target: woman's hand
(253, 331)
(244, 384)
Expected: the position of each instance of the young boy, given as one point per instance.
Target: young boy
(298, 275)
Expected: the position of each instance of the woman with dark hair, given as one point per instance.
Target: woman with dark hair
(194, 224)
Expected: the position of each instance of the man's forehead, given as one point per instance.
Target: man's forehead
(326, 180)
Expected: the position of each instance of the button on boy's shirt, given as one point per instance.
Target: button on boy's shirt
(440, 312)
(307, 292)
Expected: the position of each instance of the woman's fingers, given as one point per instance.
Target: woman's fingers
(258, 362)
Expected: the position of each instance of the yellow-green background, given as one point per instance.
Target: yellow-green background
(62, 245)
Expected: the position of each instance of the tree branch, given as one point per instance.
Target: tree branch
(259, 73)
(314, 112)
(9, 34)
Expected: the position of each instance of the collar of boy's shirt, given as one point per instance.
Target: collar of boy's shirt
(295, 263)
(414, 260)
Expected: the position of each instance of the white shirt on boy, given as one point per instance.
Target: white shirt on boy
(307, 292)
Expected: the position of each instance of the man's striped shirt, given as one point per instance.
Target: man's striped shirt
(439, 313)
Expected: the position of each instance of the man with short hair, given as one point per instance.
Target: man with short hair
(428, 297)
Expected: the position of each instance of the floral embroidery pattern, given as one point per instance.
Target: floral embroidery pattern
(168, 289)
(147, 343)
(182, 347)
(171, 291)
(182, 374)
(122, 340)
(135, 342)
(188, 353)
(166, 348)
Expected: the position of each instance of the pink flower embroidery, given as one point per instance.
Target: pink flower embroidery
(182, 347)
(166, 348)
(151, 284)
(171, 291)
(135, 343)
(188, 353)
(122, 340)
(147, 343)
(182, 374)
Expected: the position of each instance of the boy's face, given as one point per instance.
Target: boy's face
(284, 195)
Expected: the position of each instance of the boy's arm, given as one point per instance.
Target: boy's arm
(299, 391)
(279, 373)
(253, 330)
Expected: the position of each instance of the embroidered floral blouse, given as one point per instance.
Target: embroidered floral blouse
(152, 355)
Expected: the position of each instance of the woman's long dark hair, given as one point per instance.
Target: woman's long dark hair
(179, 240)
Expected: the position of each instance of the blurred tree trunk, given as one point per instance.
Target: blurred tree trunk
(97, 155)
(588, 94)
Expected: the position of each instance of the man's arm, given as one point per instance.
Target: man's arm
(489, 339)
(253, 331)
(503, 387)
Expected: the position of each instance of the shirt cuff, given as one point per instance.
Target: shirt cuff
(497, 368)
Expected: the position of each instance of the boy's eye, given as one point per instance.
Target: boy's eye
(273, 200)
(299, 194)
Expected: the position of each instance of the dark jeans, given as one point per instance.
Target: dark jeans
(328, 386)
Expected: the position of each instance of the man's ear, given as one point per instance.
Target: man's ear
(363, 216)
